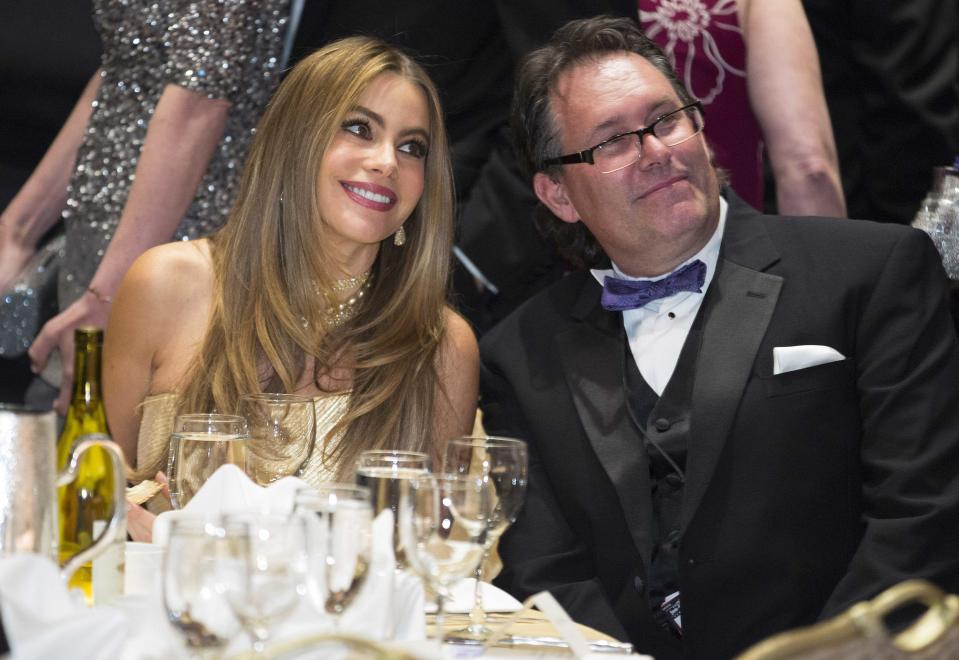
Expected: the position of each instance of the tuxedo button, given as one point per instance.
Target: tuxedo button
(662, 424)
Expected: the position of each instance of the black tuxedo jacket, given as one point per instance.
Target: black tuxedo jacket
(806, 491)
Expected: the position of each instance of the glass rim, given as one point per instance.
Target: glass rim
(277, 397)
(209, 417)
(391, 458)
(202, 422)
(488, 441)
(394, 452)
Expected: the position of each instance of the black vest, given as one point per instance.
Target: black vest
(663, 425)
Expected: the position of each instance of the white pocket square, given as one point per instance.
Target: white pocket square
(791, 358)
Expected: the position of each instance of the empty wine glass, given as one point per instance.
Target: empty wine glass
(271, 576)
(199, 445)
(443, 524)
(340, 532)
(282, 434)
(387, 472)
(199, 563)
(503, 463)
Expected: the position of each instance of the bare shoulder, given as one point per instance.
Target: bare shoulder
(165, 286)
(168, 276)
(459, 348)
(457, 369)
(171, 271)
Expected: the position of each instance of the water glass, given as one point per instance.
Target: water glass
(387, 473)
(271, 574)
(443, 525)
(340, 520)
(201, 560)
(199, 445)
(502, 462)
(282, 431)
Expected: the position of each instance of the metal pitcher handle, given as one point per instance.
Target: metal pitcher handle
(118, 522)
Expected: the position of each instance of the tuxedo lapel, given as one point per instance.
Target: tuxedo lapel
(739, 305)
(591, 353)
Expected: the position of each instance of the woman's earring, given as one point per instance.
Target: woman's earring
(399, 238)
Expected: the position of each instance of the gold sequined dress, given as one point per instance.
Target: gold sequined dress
(225, 49)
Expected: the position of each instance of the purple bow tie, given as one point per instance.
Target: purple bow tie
(632, 294)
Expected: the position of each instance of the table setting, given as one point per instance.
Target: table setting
(252, 561)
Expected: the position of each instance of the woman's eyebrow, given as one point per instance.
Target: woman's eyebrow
(381, 122)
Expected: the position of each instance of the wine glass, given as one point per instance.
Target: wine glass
(282, 434)
(200, 558)
(270, 575)
(386, 472)
(340, 534)
(444, 524)
(503, 463)
(199, 445)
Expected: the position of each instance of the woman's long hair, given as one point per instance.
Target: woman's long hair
(271, 259)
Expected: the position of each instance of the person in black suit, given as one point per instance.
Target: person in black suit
(470, 50)
(890, 71)
(756, 441)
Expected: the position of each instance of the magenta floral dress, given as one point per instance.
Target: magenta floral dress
(704, 41)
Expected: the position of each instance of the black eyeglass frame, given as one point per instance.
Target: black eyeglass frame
(586, 155)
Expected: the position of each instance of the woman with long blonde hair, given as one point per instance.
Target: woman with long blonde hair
(329, 279)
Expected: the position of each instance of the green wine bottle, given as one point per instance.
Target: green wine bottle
(86, 504)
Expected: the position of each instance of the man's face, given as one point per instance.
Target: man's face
(653, 214)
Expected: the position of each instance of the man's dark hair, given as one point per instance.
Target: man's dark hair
(534, 125)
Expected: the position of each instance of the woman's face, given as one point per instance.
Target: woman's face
(371, 176)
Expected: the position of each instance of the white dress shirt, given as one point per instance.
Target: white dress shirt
(657, 331)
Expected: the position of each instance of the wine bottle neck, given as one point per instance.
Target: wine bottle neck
(86, 371)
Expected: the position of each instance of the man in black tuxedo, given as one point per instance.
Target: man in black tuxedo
(756, 441)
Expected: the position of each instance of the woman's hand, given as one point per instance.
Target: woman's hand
(140, 523)
(139, 520)
(88, 310)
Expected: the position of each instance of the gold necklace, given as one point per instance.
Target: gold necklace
(339, 313)
(352, 282)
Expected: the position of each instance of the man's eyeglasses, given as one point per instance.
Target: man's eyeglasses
(625, 149)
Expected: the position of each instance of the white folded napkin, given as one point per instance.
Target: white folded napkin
(229, 490)
(43, 620)
(793, 358)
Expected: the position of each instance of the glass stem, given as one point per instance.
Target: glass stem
(440, 620)
(477, 614)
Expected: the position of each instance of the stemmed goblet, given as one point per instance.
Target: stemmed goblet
(443, 525)
(199, 445)
(199, 563)
(503, 463)
(282, 434)
(340, 538)
(269, 573)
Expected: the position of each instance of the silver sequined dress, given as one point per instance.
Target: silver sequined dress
(227, 49)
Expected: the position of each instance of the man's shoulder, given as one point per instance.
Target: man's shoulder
(547, 311)
(847, 238)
